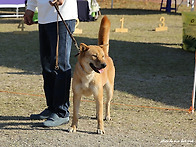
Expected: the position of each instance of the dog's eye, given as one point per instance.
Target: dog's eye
(94, 56)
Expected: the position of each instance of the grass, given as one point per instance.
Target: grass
(151, 70)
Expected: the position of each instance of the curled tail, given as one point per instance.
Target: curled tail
(104, 32)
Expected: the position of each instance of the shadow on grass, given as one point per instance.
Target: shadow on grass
(147, 70)
(25, 121)
(11, 21)
(14, 118)
(125, 11)
(19, 121)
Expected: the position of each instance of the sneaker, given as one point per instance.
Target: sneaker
(54, 120)
(43, 115)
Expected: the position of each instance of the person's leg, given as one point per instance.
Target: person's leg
(61, 93)
(45, 57)
(62, 80)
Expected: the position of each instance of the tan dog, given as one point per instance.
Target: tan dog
(94, 70)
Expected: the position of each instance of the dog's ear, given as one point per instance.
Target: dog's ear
(83, 47)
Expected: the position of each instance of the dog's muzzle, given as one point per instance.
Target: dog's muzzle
(98, 70)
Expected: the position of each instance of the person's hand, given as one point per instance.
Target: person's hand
(59, 2)
(28, 17)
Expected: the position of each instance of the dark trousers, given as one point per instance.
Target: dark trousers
(56, 82)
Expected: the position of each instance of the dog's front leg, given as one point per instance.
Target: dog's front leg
(76, 105)
(99, 112)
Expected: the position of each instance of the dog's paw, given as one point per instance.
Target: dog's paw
(99, 131)
(108, 118)
(71, 130)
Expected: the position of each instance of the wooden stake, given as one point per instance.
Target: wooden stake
(21, 26)
(162, 26)
(121, 29)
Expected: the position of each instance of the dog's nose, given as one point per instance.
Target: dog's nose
(103, 65)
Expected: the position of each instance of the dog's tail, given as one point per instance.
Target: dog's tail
(104, 32)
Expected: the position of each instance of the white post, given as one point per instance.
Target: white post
(194, 86)
(192, 5)
(17, 12)
(112, 4)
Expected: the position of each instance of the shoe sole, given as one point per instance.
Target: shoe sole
(54, 125)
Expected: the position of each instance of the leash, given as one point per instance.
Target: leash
(57, 44)
(71, 35)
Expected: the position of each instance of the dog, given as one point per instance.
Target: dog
(94, 72)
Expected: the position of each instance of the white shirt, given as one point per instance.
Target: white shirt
(48, 13)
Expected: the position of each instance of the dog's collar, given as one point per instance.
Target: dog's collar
(77, 54)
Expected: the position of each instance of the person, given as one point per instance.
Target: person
(56, 81)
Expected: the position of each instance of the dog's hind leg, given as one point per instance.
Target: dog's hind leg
(76, 105)
(109, 91)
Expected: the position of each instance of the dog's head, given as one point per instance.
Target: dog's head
(92, 58)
